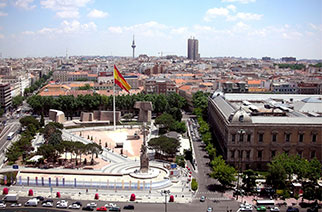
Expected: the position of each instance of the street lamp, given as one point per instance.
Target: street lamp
(165, 192)
(241, 133)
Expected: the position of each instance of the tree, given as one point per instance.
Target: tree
(85, 87)
(48, 152)
(249, 180)
(93, 148)
(194, 184)
(224, 173)
(211, 151)
(180, 160)
(164, 145)
(17, 101)
(25, 121)
(314, 171)
(55, 138)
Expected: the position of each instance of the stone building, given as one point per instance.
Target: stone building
(251, 129)
(5, 96)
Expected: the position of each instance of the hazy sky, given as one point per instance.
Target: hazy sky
(246, 28)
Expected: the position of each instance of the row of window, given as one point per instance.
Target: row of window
(274, 137)
(260, 154)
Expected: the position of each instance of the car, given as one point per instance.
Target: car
(48, 200)
(291, 209)
(209, 209)
(115, 209)
(110, 205)
(102, 208)
(78, 203)
(74, 206)
(274, 209)
(2, 204)
(40, 198)
(47, 204)
(62, 201)
(87, 208)
(16, 204)
(128, 207)
(92, 205)
(260, 208)
(202, 198)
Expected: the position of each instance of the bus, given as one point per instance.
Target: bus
(10, 135)
(268, 203)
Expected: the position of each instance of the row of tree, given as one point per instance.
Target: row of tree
(38, 84)
(168, 123)
(224, 173)
(72, 106)
(164, 146)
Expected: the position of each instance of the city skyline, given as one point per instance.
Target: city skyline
(233, 28)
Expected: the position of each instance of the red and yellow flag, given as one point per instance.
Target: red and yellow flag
(120, 81)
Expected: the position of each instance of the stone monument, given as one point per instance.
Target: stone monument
(145, 108)
(144, 160)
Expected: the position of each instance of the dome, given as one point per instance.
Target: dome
(240, 116)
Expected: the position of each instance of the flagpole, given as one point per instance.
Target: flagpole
(114, 117)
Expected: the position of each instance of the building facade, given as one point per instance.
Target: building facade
(193, 46)
(251, 129)
(5, 96)
(159, 86)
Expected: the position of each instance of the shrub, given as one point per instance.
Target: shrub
(194, 184)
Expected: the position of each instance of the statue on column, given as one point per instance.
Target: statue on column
(144, 160)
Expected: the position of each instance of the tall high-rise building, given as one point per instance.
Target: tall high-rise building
(193, 49)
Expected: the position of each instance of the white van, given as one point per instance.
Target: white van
(10, 198)
(32, 202)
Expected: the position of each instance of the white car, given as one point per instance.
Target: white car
(92, 205)
(15, 205)
(74, 206)
(274, 209)
(2, 204)
(47, 204)
(111, 205)
(62, 201)
(62, 204)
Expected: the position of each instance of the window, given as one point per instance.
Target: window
(314, 137)
(260, 154)
(301, 137)
(232, 154)
(273, 153)
(240, 154)
(249, 137)
(287, 137)
(287, 152)
(260, 137)
(233, 137)
(274, 137)
(312, 154)
(248, 154)
(241, 137)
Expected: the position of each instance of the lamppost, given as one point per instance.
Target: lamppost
(241, 133)
(165, 192)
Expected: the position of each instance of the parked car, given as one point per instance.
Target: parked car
(47, 204)
(209, 209)
(32, 202)
(48, 200)
(128, 207)
(92, 205)
(2, 204)
(202, 198)
(87, 208)
(16, 204)
(62, 204)
(102, 208)
(110, 205)
(40, 198)
(78, 203)
(74, 206)
(115, 209)
(260, 208)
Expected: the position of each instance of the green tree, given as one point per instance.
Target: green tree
(224, 173)
(164, 145)
(27, 120)
(249, 180)
(194, 184)
(93, 148)
(48, 152)
(17, 101)
(85, 87)
(180, 160)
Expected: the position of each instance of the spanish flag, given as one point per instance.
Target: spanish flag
(120, 81)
